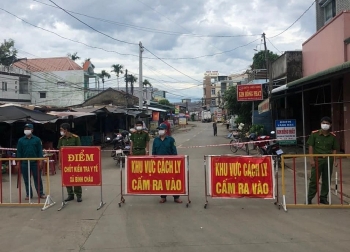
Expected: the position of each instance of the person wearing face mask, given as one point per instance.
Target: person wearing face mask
(139, 141)
(165, 145)
(69, 139)
(30, 146)
(321, 141)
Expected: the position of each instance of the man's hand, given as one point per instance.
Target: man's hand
(312, 162)
(335, 163)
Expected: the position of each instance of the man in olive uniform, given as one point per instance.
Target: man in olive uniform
(321, 142)
(165, 145)
(69, 139)
(30, 146)
(139, 141)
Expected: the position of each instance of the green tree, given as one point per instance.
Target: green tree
(118, 69)
(164, 102)
(147, 83)
(242, 109)
(102, 75)
(8, 52)
(73, 56)
(132, 79)
(259, 61)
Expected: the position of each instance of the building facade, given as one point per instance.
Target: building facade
(14, 85)
(326, 10)
(54, 81)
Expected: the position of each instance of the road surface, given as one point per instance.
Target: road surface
(144, 225)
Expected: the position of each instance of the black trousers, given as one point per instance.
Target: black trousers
(175, 197)
(215, 131)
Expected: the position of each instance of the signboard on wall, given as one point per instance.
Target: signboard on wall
(286, 131)
(264, 106)
(249, 92)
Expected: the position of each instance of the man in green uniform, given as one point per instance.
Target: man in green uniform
(69, 139)
(165, 145)
(139, 141)
(321, 142)
(30, 146)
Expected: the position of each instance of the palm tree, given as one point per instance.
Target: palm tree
(102, 75)
(73, 56)
(147, 84)
(118, 69)
(132, 80)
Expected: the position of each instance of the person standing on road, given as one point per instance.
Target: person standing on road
(215, 127)
(69, 139)
(165, 145)
(139, 141)
(168, 126)
(321, 142)
(30, 146)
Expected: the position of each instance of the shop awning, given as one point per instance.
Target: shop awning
(12, 114)
(66, 114)
(339, 69)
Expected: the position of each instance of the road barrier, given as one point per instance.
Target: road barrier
(12, 162)
(155, 175)
(81, 166)
(229, 176)
(326, 160)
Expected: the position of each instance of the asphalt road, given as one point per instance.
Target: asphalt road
(142, 224)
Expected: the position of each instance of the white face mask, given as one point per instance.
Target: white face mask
(161, 132)
(139, 128)
(325, 126)
(62, 133)
(27, 132)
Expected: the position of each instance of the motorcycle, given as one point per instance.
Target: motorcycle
(121, 146)
(270, 148)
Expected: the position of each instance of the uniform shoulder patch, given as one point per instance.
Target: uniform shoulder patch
(315, 131)
(332, 133)
(74, 135)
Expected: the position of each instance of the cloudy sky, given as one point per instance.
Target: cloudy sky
(182, 38)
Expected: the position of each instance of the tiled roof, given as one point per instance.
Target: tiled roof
(48, 64)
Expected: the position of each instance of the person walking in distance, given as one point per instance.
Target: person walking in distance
(30, 146)
(321, 141)
(215, 127)
(139, 141)
(69, 139)
(165, 145)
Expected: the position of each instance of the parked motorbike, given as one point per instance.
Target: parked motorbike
(121, 146)
(270, 148)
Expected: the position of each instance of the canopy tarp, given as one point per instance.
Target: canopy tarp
(66, 114)
(12, 114)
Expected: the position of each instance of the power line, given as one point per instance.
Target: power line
(274, 45)
(294, 21)
(122, 41)
(147, 29)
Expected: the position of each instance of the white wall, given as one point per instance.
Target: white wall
(71, 93)
(12, 94)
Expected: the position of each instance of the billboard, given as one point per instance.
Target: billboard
(249, 92)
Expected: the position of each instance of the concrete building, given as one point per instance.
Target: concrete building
(15, 85)
(326, 10)
(324, 88)
(54, 81)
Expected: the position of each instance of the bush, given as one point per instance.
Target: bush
(257, 128)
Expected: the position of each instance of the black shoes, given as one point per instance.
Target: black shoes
(69, 198)
(324, 201)
(79, 199)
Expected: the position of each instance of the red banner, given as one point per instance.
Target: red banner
(249, 92)
(155, 116)
(81, 166)
(237, 177)
(156, 175)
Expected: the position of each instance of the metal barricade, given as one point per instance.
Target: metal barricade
(297, 177)
(231, 176)
(11, 162)
(155, 176)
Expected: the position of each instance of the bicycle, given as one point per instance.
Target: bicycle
(238, 143)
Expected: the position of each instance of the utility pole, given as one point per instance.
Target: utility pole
(267, 66)
(140, 77)
(126, 87)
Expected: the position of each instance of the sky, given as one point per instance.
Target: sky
(182, 39)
